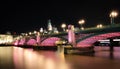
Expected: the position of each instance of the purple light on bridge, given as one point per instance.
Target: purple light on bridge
(32, 42)
(38, 39)
(71, 35)
(50, 41)
(16, 42)
(22, 41)
(89, 41)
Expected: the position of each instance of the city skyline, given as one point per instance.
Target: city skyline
(32, 15)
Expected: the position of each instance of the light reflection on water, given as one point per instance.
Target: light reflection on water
(6, 57)
(20, 58)
(105, 53)
(30, 59)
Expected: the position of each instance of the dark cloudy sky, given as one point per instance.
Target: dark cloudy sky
(24, 16)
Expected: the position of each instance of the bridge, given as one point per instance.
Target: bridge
(84, 38)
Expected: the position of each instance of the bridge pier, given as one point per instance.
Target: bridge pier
(60, 49)
(111, 45)
(71, 35)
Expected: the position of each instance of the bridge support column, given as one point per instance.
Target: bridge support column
(71, 35)
(60, 49)
(38, 39)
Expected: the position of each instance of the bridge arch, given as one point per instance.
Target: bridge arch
(31, 42)
(91, 39)
(25, 41)
(50, 41)
(53, 36)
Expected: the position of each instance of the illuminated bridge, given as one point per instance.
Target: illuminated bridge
(84, 38)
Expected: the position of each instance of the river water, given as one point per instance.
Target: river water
(20, 58)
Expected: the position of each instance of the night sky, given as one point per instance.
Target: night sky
(24, 16)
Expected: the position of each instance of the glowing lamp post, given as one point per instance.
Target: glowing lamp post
(35, 32)
(30, 33)
(63, 26)
(81, 22)
(41, 30)
(113, 14)
(99, 26)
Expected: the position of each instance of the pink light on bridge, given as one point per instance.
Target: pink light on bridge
(71, 35)
(22, 41)
(32, 42)
(38, 38)
(16, 42)
(18, 54)
(89, 41)
(50, 41)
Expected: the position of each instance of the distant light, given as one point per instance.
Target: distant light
(56, 32)
(16, 43)
(22, 33)
(99, 26)
(41, 30)
(30, 33)
(116, 39)
(26, 34)
(104, 40)
(35, 32)
(81, 21)
(66, 30)
(114, 14)
(63, 25)
(82, 28)
(50, 28)
(38, 33)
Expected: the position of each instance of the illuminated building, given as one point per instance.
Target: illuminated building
(6, 39)
(49, 26)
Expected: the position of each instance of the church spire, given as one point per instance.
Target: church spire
(49, 25)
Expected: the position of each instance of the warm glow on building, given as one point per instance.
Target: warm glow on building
(6, 39)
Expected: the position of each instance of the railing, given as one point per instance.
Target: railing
(90, 30)
(86, 30)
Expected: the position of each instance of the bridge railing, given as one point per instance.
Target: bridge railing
(87, 30)
(95, 29)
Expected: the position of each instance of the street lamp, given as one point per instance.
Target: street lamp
(63, 26)
(41, 30)
(81, 22)
(30, 33)
(35, 32)
(99, 26)
(113, 14)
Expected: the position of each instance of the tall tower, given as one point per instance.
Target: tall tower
(49, 25)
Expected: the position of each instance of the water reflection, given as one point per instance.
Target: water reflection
(20, 58)
(6, 58)
(30, 59)
(105, 53)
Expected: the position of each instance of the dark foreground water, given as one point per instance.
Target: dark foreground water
(20, 58)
